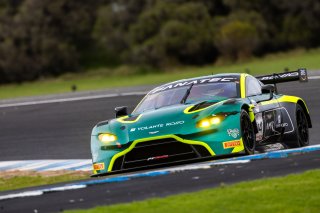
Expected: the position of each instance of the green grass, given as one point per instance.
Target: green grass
(17, 182)
(101, 78)
(293, 193)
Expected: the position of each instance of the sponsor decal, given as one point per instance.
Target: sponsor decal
(157, 126)
(279, 119)
(285, 75)
(152, 133)
(303, 75)
(231, 144)
(282, 125)
(269, 115)
(272, 122)
(98, 166)
(259, 122)
(270, 126)
(199, 81)
(175, 123)
(233, 132)
(150, 127)
(269, 120)
(158, 157)
(118, 145)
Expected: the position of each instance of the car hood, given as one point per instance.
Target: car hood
(176, 119)
(163, 121)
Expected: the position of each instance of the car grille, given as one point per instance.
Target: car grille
(158, 152)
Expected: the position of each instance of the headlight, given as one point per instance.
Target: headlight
(204, 123)
(106, 137)
(214, 120)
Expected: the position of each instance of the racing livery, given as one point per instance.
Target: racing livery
(193, 119)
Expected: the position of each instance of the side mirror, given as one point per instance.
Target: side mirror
(269, 88)
(121, 111)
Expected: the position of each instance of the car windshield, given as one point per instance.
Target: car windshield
(201, 92)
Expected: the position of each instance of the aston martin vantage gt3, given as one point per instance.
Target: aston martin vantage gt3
(199, 118)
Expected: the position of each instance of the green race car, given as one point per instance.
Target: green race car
(193, 119)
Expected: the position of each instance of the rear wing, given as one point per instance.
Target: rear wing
(299, 75)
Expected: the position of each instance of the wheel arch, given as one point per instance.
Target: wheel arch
(305, 109)
(248, 109)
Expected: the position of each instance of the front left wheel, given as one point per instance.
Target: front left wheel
(247, 133)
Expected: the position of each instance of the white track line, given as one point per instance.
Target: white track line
(84, 184)
(70, 166)
(8, 163)
(35, 165)
(86, 164)
(41, 192)
(47, 165)
(60, 100)
(313, 77)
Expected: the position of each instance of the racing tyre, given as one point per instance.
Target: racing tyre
(247, 133)
(302, 127)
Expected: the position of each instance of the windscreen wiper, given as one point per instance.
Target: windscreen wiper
(183, 100)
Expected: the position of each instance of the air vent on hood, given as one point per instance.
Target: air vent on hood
(230, 102)
(200, 106)
(129, 119)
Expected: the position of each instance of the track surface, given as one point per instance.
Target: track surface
(62, 130)
(160, 186)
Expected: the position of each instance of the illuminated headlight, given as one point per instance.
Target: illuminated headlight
(215, 120)
(204, 123)
(106, 137)
(207, 122)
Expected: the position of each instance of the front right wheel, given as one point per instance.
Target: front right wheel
(247, 133)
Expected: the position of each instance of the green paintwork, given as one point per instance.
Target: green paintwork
(177, 122)
(171, 120)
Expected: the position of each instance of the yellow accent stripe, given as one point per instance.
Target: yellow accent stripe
(284, 98)
(238, 148)
(122, 119)
(305, 105)
(251, 113)
(157, 138)
(243, 85)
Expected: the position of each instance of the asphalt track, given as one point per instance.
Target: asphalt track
(153, 184)
(61, 130)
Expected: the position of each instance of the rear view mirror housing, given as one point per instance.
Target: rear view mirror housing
(269, 88)
(121, 111)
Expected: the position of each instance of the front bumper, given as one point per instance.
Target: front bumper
(161, 150)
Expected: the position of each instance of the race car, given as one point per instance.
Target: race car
(202, 118)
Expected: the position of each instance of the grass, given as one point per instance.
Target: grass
(293, 193)
(28, 180)
(101, 78)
